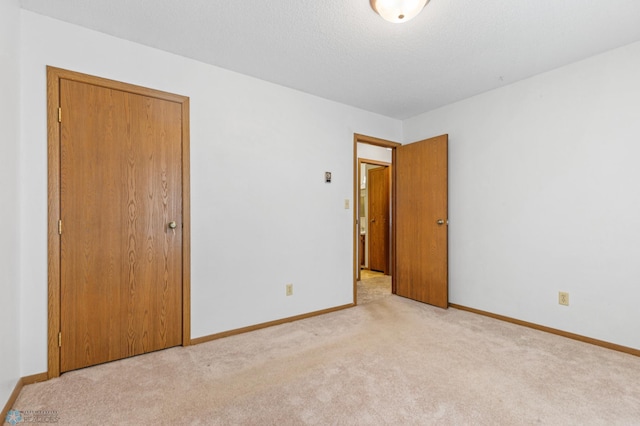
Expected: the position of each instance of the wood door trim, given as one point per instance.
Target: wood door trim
(373, 162)
(54, 75)
(356, 196)
(53, 213)
(394, 283)
(370, 140)
(186, 224)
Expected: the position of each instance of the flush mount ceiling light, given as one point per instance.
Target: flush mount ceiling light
(398, 11)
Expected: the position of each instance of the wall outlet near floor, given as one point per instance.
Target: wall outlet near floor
(289, 290)
(563, 298)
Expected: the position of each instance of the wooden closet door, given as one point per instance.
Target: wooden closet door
(120, 190)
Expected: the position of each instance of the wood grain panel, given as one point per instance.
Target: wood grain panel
(121, 266)
(186, 224)
(420, 200)
(378, 195)
(53, 213)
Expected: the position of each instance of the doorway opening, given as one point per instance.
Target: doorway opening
(418, 222)
(372, 217)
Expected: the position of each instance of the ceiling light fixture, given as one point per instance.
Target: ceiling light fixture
(398, 11)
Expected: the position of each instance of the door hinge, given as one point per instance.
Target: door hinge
(59, 115)
(60, 339)
(60, 227)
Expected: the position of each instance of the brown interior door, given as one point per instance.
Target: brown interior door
(121, 257)
(420, 221)
(378, 181)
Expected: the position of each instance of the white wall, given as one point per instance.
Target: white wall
(544, 193)
(373, 152)
(9, 217)
(262, 215)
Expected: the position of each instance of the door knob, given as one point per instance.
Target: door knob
(440, 221)
(172, 225)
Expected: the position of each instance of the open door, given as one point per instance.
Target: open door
(420, 221)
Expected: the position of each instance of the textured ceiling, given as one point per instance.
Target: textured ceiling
(341, 50)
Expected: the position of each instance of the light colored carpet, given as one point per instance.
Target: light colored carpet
(374, 285)
(388, 361)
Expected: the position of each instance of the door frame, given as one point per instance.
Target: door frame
(54, 75)
(370, 140)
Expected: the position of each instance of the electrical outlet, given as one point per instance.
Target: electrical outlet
(563, 298)
(289, 290)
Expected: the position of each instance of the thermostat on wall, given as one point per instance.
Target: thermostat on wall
(327, 177)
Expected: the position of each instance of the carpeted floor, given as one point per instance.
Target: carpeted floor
(374, 285)
(388, 361)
